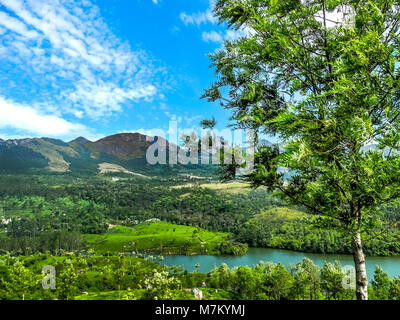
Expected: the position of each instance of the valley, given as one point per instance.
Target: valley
(102, 216)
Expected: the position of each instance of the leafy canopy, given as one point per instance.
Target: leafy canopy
(330, 90)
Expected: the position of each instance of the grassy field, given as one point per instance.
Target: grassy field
(229, 187)
(284, 213)
(158, 237)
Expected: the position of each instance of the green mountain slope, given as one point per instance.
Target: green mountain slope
(119, 153)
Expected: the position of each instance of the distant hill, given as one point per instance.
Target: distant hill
(127, 151)
(123, 153)
(22, 155)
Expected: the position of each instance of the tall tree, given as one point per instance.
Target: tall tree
(22, 281)
(323, 76)
(381, 284)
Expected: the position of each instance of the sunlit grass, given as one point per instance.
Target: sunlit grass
(157, 237)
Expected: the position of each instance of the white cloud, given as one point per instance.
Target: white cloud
(156, 1)
(212, 36)
(66, 49)
(193, 118)
(25, 118)
(107, 96)
(207, 17)
(199, 18)
(17, 26)
(219, 37)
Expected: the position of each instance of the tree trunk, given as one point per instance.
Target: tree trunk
(361, 270)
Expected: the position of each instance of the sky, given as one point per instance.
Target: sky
(100, 67)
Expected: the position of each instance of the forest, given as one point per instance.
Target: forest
(131, 278)
(58, 212)
(301, 155)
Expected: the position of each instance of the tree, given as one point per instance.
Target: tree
(278, 281)
(220, 277)
(21, 281)
(381, 284)
(208, 123)
(330, 91)
(244, 282)
(66, 281)
(394, 291)
(161, 285)
(332, 277)
(121, 272)
(306, 280)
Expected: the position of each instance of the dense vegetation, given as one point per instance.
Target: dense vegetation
(55, 212)
(286, 228)
(62, 215)
(328, 88)
(118, 277)
(163, 238)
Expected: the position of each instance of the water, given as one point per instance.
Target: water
(391, 265)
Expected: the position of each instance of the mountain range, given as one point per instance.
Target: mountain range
(117, 153)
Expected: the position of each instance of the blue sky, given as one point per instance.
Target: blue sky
(95, 68)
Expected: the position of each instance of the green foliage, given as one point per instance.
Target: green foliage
(164, 238)
(294, 230)
(127, 278)
(67, 281)
(394, 291)
(208, 123)
(381, 284)
(278, 281)
(20, 282)
(332, 277)
(306, 280)
(17, 159)
(54, 212)
(160, 286)
(328, 91)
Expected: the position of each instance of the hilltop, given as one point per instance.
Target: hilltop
(123, 152)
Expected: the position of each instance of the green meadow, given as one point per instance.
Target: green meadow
(160, 238)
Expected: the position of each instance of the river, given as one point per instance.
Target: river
(391, 265)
